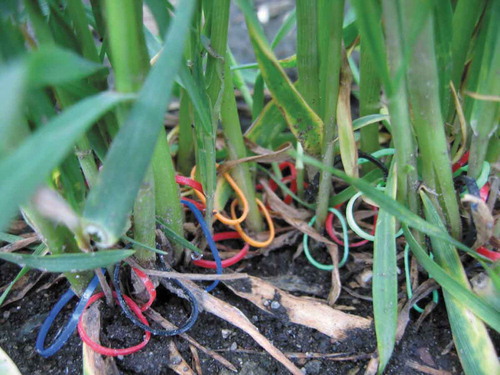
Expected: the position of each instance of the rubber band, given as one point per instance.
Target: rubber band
(146, 281)
(144, 325)
(409, 292)
(483, 176)
(109, 351)
(493, 255)
(484, 192)
(239, 193)
(338, 241)
(199, 206)
(305, 242)
(247, 238)
(226, 262)
(352, 222)
(370, 158)
(181, 180)
(210, 241)
(461, 162)
(68, 330)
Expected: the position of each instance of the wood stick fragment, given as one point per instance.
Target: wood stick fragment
(153, 315)
(234, 316)
(426, 369)
(196, 359)
(176, 362)
(93, 362)
(19, 244)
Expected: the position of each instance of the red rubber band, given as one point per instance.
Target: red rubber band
(290, 166)
(484, 192)
(181, 180)
(338, 241)
(463, 160)
(200, 206)
(150, 287)
(493, 255)
(109, 351)
(226, 262)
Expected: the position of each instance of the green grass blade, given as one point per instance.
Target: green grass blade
(40, 250)
(270, 120)
(477, 305)
(303, 122)
(53, 142)
(51, 66)
(308, 58)
(285, 28)
(68, 262)
(106, 211)
(474, 346)
(368, 15)
(179, 239)
(385, 279)
(13, 80)
(485, 113)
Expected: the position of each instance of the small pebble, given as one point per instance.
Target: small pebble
(313, 367)
(175, 360)
(225, 333)
(6, 314)
(233, 346)
(275, 305)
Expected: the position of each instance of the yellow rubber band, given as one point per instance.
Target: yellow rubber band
(223, 219)
(242, 233)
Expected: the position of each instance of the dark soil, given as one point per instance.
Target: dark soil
(21, 321)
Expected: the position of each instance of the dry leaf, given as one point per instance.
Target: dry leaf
(280, 207)
(234, 316)
(426, 369)
(267, 156)
(20, 244)
(372, 366)
(22, 287)
(196, 359)
(301, 310)
(421, 292)
(176, 362)
(483, 219)
(93, 362)
(336, 287)
(259, 150)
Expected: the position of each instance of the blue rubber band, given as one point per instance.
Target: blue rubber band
(70, 327)
(211, 243)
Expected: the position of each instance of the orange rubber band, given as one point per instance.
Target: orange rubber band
(223, 219)
(242, 233)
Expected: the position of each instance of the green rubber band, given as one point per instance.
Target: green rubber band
(483, 177)
(409, 292)
(352, 222)
(378, 154)
(305, 242)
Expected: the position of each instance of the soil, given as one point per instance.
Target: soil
(427, 344)
(21, 321)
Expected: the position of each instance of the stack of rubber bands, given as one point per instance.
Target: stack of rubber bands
(131, 309)
(134, 312)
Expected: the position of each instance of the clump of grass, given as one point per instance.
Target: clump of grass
(86, 88)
